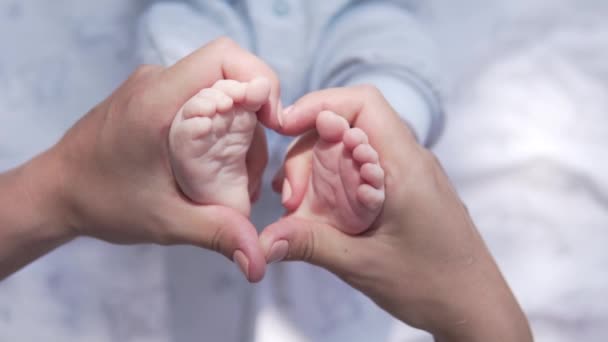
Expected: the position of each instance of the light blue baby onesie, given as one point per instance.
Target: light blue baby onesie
(315, 44)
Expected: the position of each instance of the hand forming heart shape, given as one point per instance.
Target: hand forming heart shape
(110, 177)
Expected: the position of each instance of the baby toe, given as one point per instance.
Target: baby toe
(370, 197)
(364, 153)
(330, 126)
(354, 137)
(373, 174)
(234, 89)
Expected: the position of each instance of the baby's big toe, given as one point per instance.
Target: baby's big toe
(331, 126)
(365, 153)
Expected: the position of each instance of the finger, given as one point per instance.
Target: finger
(220, 59)
(361, 106)
(257, 94)
(302, 115)
(220, 229)
(277, 180)
(279, 176)
(297, 169)
(256, 159)
(297, 239)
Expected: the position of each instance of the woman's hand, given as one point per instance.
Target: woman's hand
(110, 177)
(423, 260)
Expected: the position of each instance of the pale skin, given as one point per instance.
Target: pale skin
(209, 141)
(338, 185)
(423, 260)
(110, 177)
(346, 182)
(210, 137)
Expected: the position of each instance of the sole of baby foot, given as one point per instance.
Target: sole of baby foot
(209, 140)
(346, 188)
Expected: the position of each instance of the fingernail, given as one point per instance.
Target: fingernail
(286, 194)
(278, 252)
(280, 113)
(241, 260)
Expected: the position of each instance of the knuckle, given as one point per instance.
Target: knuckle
(136, 89)
(146, 69)
(216, 239)
(370, 91)
(223, 43)
(309, 247)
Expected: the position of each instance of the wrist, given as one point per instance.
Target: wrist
(33, 217)
(43, 182)
(454, 289)
(478, 305)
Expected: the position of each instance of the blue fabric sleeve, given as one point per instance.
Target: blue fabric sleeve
(383, 43)
(171, 30)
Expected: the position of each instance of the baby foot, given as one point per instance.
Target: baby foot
(346, 187)
(209, 140)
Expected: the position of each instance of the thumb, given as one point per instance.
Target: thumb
(293, 238)
(296, 171)
(223, 230)
(256, 159)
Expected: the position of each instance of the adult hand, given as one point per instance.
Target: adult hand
(423, 261)
(110, 176)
